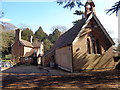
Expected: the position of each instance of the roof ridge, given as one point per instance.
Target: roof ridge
(89, 0)
(103, 29)
(26, 43)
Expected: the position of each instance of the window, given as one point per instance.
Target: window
(88, 46)
(93, 45)
(98, 47)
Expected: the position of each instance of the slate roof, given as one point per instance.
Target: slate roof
(68, 37)
(26, 43)
(32, 45)
(36, 44)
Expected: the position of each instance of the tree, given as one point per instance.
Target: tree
(23, 26)
(6, 41)
(26, 33)
(76, 21)
(54, 36)
(47, 45)
(60, 28)
(50, 40)
(72, 3)
(114, 9)
(77, 13)
(40, 34)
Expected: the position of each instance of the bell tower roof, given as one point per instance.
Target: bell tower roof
(89, 1)
(89, 8)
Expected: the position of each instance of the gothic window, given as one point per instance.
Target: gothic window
(93, 43)
(88, 46)
(93, 47)
(98, 47)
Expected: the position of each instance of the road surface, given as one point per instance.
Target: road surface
(27, 77)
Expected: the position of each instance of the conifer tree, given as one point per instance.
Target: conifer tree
(54, 36)
(26, 33)
(40, 34)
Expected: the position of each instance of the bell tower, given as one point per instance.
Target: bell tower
(89, 8)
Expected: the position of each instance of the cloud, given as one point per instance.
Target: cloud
(5, 20)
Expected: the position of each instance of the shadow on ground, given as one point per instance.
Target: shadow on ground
(40, 78)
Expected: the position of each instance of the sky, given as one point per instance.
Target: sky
(47, 13)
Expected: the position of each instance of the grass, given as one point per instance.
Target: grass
(6, 60)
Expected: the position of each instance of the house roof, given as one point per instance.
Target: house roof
(36, 44)
(26, 43)
(68, 37)
(33, 45)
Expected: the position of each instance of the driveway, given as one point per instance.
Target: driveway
(27, 77)
(32, 69)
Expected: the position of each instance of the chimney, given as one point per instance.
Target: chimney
(30, 39)
(18, 35)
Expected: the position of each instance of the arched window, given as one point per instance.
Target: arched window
(88, 46)
(98, 47)
(93, 47)
(93, 43)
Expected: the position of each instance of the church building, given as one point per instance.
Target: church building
(85, 46)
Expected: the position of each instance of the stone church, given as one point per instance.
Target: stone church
(85, 46)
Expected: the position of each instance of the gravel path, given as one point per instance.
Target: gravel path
(40, 77)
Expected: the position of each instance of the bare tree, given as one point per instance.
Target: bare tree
(59, 27)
